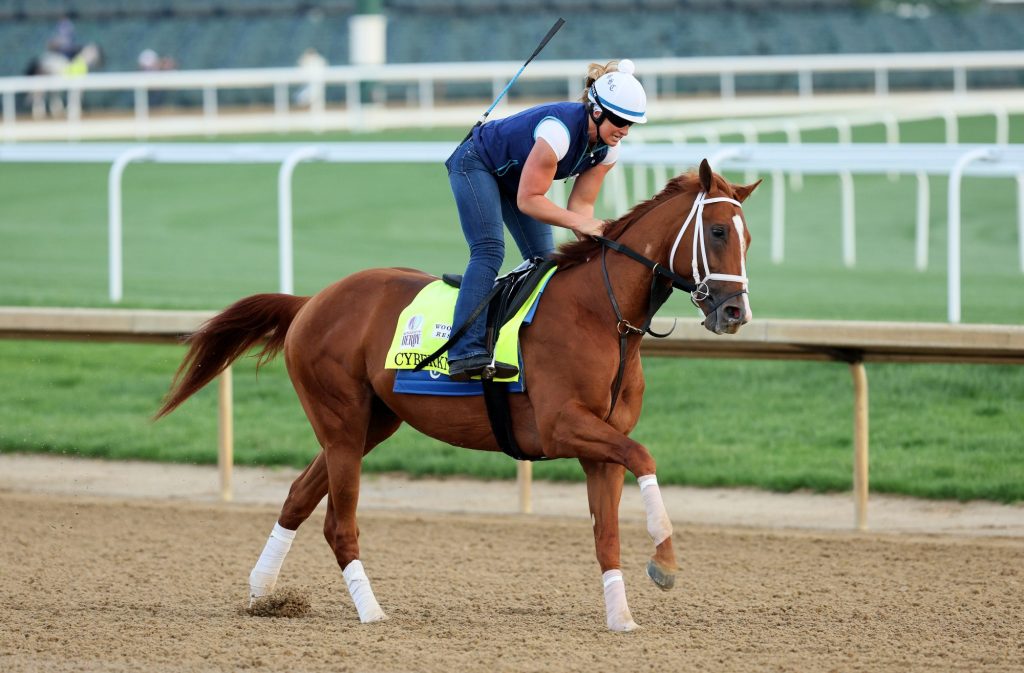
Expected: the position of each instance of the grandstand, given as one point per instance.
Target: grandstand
(206, 34)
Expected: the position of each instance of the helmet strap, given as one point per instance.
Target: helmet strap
(592, 106)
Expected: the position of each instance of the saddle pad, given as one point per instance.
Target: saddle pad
(426, 324)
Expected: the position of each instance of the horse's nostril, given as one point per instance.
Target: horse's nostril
(732, 313)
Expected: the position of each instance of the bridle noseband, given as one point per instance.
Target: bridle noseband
(660, 291)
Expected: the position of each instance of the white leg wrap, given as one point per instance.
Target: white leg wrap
(362, 595)
(658, 525)
(615, 606)
(264, 575)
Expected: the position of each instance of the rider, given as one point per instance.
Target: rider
(503, 172)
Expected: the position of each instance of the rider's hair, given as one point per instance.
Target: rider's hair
(595, 71)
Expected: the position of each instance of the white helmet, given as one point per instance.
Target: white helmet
(621, 93)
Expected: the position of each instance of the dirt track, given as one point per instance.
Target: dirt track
(94, 583)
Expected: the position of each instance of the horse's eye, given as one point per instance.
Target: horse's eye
(718, 232)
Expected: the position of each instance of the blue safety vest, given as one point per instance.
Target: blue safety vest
(504, 144)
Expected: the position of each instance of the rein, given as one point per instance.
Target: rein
(660, 290)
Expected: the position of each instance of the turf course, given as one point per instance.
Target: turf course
(201, 237)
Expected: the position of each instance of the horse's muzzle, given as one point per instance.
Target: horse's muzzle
(727, 316)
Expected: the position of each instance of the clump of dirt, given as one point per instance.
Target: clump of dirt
(290, 603)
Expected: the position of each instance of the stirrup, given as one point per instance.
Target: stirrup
(482, 366)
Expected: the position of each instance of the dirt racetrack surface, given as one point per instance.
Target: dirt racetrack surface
(97, 583)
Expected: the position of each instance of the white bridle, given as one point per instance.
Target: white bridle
(698, 242)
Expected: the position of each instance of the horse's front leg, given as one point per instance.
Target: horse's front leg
(578, 433)
(604, 490)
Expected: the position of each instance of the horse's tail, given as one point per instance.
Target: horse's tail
(227, 336)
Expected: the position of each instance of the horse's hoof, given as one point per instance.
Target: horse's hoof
(624, 628)
(664, 579)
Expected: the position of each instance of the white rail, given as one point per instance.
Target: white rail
(852, 342)
(423, 80)
(844, 161)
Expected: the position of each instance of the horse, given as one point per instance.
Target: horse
(584, 339)
(55, 63)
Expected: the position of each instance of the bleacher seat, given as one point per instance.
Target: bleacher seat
(203, 34)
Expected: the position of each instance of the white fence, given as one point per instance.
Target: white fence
(950, 161)
(425, 80)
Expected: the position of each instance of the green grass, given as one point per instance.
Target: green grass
(203, 236)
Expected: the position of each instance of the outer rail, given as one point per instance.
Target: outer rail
(852, 342)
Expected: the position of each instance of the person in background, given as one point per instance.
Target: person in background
(150, 61)
(63, 39)
(500, 175)
(314, 64)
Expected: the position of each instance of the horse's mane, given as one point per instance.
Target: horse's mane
(574, 253)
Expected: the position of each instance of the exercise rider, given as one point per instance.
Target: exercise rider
(502, 172)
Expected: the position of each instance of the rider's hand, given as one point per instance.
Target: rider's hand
(588, 226)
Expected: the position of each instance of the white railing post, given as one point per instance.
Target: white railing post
(952, 127)
(953, 235)
(284, 214)
(1020, 218)
(960, 80)
(849, 223)
(10, 113)
(354, 103)
(749, 137)
(209, 109)
(892, 137)
(844, 132)
(114, 219)
(282, 106)
(923, 215)
(778, 217)
(796, 178)
(881, 81)
(727, 85)
(805, 83)
(1002, 125)
(141, 112)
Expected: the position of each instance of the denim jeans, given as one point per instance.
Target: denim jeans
(483, 209)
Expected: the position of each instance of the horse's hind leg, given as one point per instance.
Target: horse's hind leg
(306, 492)
(604, 491)
(343, 429)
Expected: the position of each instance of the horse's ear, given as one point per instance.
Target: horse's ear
(705, 175)
(743, 191)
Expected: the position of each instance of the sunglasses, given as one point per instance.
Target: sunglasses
(617, 121)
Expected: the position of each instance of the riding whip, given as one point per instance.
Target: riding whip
(543, 43)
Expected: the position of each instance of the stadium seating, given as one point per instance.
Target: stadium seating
(272, 33)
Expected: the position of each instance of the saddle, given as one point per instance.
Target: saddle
(507, 296)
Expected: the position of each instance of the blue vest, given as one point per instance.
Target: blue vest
(504, 144)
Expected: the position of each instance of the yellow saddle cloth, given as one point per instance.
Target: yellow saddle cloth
(426, 324)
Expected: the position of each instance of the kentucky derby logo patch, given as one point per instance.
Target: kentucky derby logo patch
(412, 337)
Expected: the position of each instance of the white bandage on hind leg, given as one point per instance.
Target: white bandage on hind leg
(362, 595)
(658, 525)
(264, 575)
(615, 607)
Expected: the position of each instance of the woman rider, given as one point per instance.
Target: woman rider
(502, 173)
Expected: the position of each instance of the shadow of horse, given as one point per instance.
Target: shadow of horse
(49, 101)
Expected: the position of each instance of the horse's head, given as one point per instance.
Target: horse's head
(695, 225)
(710, 246)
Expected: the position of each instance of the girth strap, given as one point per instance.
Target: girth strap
(500, 416)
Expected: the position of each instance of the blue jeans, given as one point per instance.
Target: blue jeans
(483, 210)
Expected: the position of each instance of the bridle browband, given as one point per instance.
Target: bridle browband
(661, 290)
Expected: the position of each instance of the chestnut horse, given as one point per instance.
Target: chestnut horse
(335, 345)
